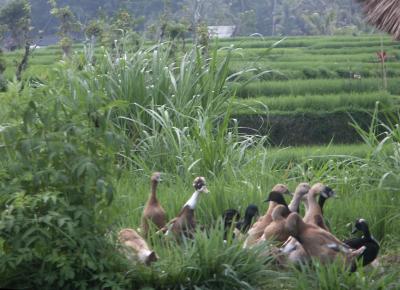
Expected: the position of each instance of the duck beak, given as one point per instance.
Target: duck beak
(328, 192)
(205, 189)
(354, 230)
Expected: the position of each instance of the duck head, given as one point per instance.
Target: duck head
(360, 225)
(276, 195)
(281, 188)
(230, 215)
(323, 190)
(156, 177)
(199, 184)
(251, 211)
(147, 257)
(302, 189)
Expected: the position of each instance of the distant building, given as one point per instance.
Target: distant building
(222, 31)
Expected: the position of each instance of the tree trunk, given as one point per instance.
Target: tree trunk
(24, 62)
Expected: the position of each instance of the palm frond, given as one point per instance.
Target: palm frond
(384, 14)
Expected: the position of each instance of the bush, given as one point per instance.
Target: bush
(3, 83)
(55, 167)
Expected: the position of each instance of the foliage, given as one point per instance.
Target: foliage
(16, 18)
(3, 81)
(57, 174)
(160, 104)
(94, 29)
(67, 25)
(291, 17)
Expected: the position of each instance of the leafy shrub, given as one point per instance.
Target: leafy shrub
(3, 83)
(56, 175)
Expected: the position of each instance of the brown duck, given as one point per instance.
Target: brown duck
(257, 230)
(136, 247)
(314, 213)
(153, 212)
(317, 242)
(276, 230)
(185, 223)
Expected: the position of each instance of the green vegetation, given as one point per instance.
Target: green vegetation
(78, 149)
(83, 128)
(299, 75)
(316, 103)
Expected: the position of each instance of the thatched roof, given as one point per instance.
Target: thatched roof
(384, 14)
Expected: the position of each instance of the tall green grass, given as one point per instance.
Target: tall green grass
(358, 197)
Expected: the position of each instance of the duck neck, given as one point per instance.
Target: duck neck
(367, 233)
(247, 220)
(312, 203)
(321, 202)
(271, 206)
(305, 202)
(294, 204)
(153, 196)
(192, 202)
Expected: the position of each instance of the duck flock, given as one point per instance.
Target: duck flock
(289, 237)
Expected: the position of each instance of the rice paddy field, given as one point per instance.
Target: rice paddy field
(80, 138)
(283, 78)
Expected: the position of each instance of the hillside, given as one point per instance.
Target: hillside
(269, 17)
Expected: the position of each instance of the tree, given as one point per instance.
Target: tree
(15, 19)
(384, 15)
(68, 25)
(94, 30)
(3, 81)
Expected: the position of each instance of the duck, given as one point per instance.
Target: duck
(153, 212)
(135, 247)
(244, 225)
(319, 243)
(185, 223)
(274, 198)
(276, 230)
(321, 200)
(294, 206)
(229, 217)
(241, 226)
(367, 240)
(313, 213)
(300, 191)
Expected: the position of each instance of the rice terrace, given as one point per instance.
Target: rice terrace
(199, 144)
